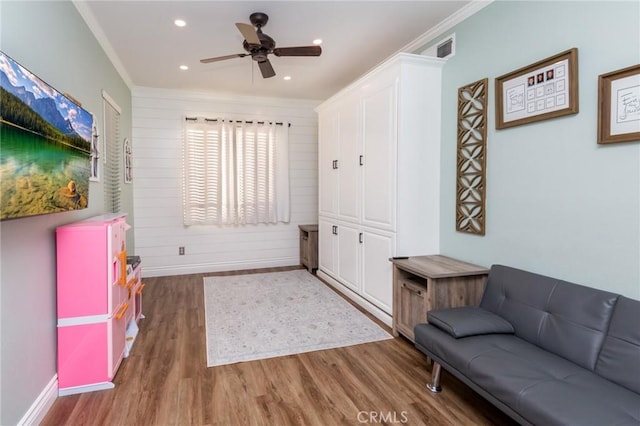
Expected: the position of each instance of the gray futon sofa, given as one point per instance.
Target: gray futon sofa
(544, 351)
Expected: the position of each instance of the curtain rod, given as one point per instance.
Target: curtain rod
(237, 121)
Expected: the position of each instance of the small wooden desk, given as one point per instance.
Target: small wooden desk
(423, 283)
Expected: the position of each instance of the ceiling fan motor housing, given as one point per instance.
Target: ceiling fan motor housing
(259, 53)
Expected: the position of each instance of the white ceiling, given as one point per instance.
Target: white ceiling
(147, 48)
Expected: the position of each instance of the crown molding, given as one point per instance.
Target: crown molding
(460, 15)
(91, 22)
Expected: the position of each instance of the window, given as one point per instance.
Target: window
(112, 154)
(235, 172)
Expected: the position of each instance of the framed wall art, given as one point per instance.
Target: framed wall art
(46, 146)
(619, 106)
(127, 155)
(546, 89)
(96, 150)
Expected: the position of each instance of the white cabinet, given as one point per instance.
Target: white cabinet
(379, 177)
(377, 271)
(327, 249)
(379, 134)
(339, 252)
(339, 174)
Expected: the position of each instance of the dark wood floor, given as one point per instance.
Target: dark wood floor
(166, 381)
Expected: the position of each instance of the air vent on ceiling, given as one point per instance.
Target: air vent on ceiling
(443, 49)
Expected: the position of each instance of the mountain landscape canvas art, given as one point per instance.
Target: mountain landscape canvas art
(45, 149)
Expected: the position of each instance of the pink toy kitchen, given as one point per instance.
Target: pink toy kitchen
(99, 295)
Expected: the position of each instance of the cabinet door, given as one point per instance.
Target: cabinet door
(377, 271)
(327, 248)
(349, 256)
(328, 137)
(379, 124)
(348, 160)
(116, 344)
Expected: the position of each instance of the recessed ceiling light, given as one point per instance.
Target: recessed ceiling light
(184, 67)
(180, 23)
(286, 77)
(317, 41)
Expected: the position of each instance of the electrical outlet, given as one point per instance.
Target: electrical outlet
(181, 251)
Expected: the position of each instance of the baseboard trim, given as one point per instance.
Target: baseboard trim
(364, 303)
(164, 271)
(35, 414)
(86, 388)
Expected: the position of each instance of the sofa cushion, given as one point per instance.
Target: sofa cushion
(619, 359)
(539, 386)
(519, 297)
(583, 399)
(567, 319)
(576, 323)
(547, 389)
(468, 321)
(461, 354)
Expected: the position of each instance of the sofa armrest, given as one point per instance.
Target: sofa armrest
(468, 321)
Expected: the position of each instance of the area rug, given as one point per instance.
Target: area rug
(258, 316)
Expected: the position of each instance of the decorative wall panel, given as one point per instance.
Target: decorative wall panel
(471, 163)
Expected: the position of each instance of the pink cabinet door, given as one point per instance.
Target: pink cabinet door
(91, 268)
(82, 355)
(90, 354)
(117, 331)
(82, 270)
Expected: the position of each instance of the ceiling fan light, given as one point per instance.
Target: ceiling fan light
(317, 41)
(184, 67)
(286, 77)
(180, 23)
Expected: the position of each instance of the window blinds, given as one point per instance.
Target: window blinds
(113, 153)
(235, 172)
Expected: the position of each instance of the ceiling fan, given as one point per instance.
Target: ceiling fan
(259, 45)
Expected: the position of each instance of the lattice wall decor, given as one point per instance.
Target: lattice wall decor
(472, 146)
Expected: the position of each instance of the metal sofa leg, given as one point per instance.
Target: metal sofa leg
(434, 386)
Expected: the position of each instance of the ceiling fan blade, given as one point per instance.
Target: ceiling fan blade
(298, 51)
(266, 69)
(222, 58)
(249, 33)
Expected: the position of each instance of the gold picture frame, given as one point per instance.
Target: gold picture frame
(619, 106)
(540, 91)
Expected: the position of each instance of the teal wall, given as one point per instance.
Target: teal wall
(557, 202)
(52, 41)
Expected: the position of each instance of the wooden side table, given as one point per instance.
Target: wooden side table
(422, 283)
(309, 247)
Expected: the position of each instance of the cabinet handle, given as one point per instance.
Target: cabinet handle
(122, 257)
(334, 230)
(412, 290)
(132, 282)
(120, 313)
(362, 160)
(360, 238)
(336, 161)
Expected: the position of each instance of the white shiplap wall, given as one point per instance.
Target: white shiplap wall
(157, 125)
